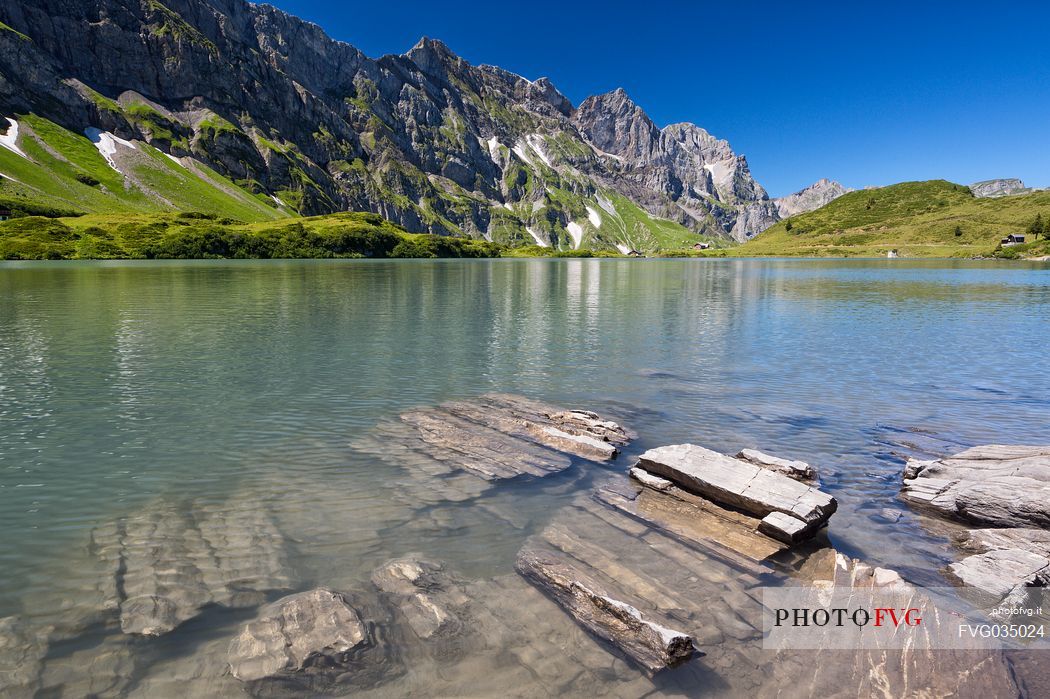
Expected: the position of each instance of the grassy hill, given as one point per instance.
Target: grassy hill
(919, 219)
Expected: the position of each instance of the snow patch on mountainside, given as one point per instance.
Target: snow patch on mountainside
(492, 145)
(10, 139)
(519, 150)
(536, 142)
(622, 248)
(536, 236)
(576, 231)
(594, 217)
(721, 173)
(107, 143)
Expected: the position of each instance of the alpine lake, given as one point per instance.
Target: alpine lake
(152, 413)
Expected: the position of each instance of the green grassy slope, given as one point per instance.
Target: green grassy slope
(919, 219)
(65, 172)
(202, 236)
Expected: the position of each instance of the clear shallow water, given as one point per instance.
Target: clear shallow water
(125, 383)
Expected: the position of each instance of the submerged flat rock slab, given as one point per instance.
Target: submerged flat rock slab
(652, 646)
(1004, 486)
(726, 534)
(168, 563)
(455, 451)
(739, 484)
(696, 589)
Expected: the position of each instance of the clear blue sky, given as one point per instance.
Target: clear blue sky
(865, 94)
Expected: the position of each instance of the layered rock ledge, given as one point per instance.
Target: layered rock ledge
(1004, 487)
(997, 485)
(787, 509)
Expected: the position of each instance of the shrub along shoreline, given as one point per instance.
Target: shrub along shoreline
(203, 236)
(192, 235)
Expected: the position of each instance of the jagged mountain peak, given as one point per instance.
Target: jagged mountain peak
(617, 100)
(432, 46)
(614, 124)
(432, 56)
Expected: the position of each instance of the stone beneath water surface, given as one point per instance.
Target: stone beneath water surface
(458, 450)
(306, 633)
(1003, 486)
(21, 654)
(741, 485)
(169, 562)
(652, 646)
(698, 523)
(426, 594)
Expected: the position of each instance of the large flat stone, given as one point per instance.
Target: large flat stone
(724, 534)
(1001, 571)
(739, 484)
(1003, 562)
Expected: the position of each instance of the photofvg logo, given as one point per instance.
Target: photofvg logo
(840, 616)
(824, 617)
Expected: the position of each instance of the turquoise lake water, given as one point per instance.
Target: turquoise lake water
(126, 383)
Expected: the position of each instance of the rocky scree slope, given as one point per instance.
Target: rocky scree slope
(307, 125)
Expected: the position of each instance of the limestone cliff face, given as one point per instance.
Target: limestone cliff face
(818, 194)
(998, 188)
(424, 138)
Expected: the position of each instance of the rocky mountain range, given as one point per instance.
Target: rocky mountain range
(269, 104)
